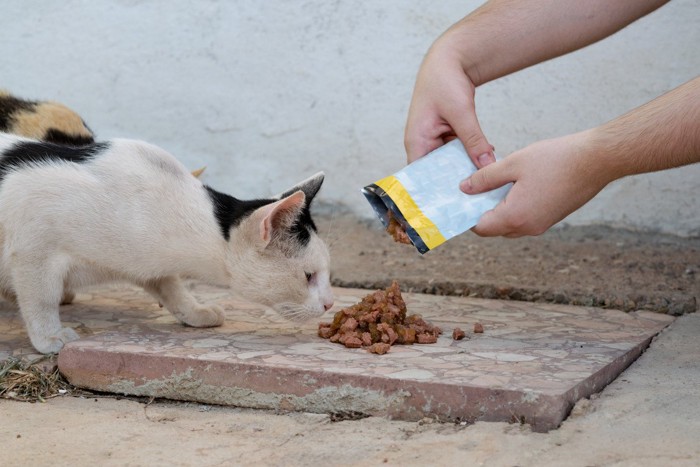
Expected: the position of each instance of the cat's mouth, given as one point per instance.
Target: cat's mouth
(295, 312)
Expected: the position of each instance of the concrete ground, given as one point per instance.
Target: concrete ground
(650, 415)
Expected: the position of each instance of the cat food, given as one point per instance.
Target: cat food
(379, 348)
(378, 322)
(458, 334)
(396, 231)
(478, 328)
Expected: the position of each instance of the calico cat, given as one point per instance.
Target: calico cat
(47, 121)
(128, 210)
(43, 120)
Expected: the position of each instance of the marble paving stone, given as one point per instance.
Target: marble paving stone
(531, 364)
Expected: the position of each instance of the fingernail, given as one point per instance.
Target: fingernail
(466, 185)
(486, 159)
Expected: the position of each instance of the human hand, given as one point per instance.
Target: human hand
(552, 179)
(442, 109)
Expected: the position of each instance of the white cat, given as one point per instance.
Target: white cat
(127, 210)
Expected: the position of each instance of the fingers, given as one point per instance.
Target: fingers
(489, 178)
(462, 125)
(500, 221)
(495, 223)
(490, 225)
(442, 109)
(466, 127)
(418, 145)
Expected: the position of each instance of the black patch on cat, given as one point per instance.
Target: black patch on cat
(9, 105)
(303, 226)
(230, 211)
(58, 137)
(34, 152)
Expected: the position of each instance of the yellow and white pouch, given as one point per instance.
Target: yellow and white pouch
(425, 198)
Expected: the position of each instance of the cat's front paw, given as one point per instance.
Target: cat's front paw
(55, 342)
(206, 316)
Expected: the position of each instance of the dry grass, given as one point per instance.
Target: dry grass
(28, 382)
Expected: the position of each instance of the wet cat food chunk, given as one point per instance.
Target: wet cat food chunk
(379, 348)
(458, 334)
(478, 328)
(377, 322)
(396, 230)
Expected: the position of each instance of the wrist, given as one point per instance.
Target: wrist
(602, 154)
(457, 47)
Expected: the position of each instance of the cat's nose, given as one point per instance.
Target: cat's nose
(328, 305)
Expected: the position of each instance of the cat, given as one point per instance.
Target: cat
(47, 121)
(43, 120)
(128, 210)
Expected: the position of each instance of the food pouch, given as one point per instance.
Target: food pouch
(424, 197)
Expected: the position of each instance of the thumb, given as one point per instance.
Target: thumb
(466, 127)
(488, 178)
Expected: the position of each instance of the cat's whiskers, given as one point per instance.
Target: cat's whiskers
(295, 312)
(331, 237)
(330, 225)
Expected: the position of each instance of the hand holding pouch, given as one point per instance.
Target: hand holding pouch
(425, 198)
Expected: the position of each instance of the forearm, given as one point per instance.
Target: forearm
(504, 36)
(661, 134)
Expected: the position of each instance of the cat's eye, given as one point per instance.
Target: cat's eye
(310, 277)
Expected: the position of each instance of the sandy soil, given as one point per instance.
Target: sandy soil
(592, 266)
(647, 417)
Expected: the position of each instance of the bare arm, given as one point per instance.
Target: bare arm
(504, 36)
(661, 134)
(499, 38)
(555, 177)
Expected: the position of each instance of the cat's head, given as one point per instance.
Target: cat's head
(285, 264)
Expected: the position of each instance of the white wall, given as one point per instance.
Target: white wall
(265, 93)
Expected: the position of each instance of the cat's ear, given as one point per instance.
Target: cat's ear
(310, 187)
(280, 215)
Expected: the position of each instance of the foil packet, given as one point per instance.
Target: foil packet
(425, 199)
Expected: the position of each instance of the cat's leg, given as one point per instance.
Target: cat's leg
(171, 292)
(67, 297)
(6, 291)
(39, 288)
(8, 295)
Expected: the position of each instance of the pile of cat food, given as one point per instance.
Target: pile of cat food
(378, 322)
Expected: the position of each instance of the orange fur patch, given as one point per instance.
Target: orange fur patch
(35, 123)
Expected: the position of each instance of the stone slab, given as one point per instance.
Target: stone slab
(531, 364)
